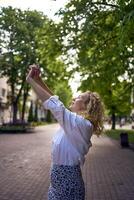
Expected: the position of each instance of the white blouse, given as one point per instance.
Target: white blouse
(72, 141)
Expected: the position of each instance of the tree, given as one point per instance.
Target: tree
(18, 50)
(102, 36)
(64, 92)
(54, 70)
(29, 37)
(49, 52)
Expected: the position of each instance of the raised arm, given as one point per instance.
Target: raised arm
(41, 93)
(35, 74)
(43, 85)
(40, 88)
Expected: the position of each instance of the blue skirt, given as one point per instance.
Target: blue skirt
(66, 183)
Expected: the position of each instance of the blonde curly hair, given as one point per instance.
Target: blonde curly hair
(95, 112)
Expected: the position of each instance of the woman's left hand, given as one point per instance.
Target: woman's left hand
(34, 72)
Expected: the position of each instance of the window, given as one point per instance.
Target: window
(3, 92)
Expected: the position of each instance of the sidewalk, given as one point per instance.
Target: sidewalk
(126, 126)
(25, 162)
(109, 171)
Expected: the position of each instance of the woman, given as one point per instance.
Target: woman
(73, 140)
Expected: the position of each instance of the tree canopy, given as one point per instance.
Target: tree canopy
(28, 37)
(95, 37)
(102, 35)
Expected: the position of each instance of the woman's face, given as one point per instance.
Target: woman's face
(79, 103)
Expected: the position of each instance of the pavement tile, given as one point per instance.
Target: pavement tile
(25, 161)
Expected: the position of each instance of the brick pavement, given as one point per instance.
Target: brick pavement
(25, 162)
(109, 171)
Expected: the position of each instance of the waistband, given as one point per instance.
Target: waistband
(65, 166)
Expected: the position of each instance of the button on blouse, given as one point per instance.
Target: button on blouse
(71, 142)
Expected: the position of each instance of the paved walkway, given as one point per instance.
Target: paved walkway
(25, 161)
(126, 126)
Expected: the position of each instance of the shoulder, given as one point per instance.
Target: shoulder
(81, 121)
(52, 102)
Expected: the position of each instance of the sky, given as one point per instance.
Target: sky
(49, 8)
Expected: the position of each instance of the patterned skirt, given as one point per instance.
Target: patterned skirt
(66, 183)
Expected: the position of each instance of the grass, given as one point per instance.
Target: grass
(38, 123)
(115, 134)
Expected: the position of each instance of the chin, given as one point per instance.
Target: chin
(70, 108)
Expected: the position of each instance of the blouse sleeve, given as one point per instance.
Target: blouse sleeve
(75, 126)
(56, 107)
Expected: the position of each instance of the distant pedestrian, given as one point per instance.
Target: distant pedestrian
(122, 122)
(73, 140)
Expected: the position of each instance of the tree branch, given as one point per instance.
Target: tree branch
(106, 4)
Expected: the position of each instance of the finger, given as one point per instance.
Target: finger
(37, 73)
(32, 73)
(33, 69)
(32, 66)
(37, 70)
(38, 67)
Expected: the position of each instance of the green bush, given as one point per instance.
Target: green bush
(16, 129)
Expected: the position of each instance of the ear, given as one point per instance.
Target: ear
(84, 106)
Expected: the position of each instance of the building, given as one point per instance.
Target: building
(6, 109)
(5, 114)
(41, 112)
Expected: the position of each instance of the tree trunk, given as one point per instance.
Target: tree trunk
(25, 95)
(30, 116)
(14, 101)
(15, 110)
(36, 111)
(113, 121)
(48, 117)
(24, 107)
